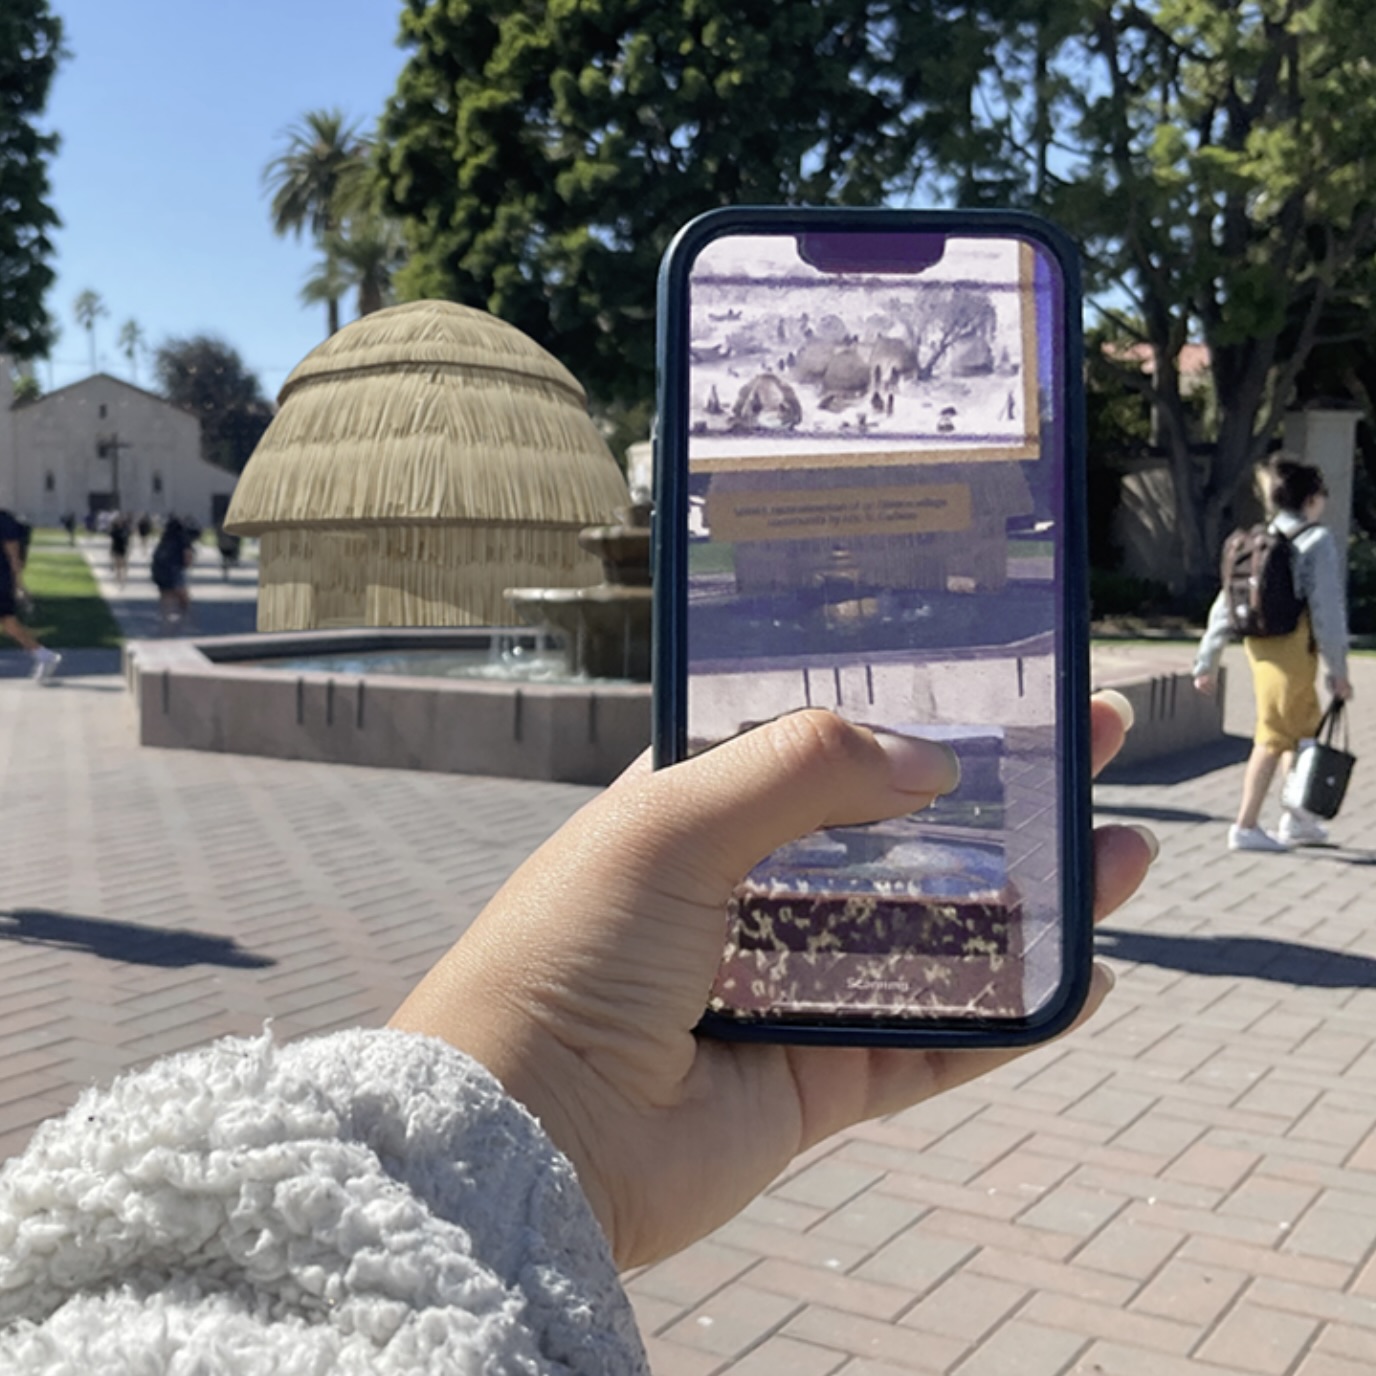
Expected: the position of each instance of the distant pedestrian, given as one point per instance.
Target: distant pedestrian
(145, 529)
(1285, 667)
(171, 556)
(13, 542)
(119, 548)
(68, 523)
(229, 551)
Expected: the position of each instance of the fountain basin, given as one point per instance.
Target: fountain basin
(311, 696)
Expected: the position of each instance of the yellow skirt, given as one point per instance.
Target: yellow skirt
(1285, 670)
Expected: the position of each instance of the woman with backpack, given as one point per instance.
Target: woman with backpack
(1284, 659)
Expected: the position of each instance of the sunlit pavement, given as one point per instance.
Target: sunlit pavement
(1188, 1185)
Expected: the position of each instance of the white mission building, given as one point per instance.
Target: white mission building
(102, 444)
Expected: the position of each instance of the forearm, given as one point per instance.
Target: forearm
(1328, 609)
(1215, 638)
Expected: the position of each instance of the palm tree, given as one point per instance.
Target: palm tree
(363, 255)
(327, 282)
(320, 177)
(131, 344)
(88, 308)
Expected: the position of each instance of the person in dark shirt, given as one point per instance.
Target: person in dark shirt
(119, 547)
(171, 557)
(14, 540)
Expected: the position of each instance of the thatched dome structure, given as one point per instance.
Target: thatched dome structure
(423, 459)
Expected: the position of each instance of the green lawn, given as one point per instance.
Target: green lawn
(68, 611)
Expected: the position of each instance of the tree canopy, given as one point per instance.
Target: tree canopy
(1211, 155)
(30, 50)
(207, 377)
(541, 157)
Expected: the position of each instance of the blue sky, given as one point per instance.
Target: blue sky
(168, 111)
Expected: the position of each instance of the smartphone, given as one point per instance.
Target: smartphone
(869, 497)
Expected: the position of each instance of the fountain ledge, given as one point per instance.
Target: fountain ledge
(217, 694)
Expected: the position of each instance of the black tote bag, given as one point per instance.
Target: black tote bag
(1318, 781)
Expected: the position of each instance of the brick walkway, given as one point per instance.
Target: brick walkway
(1187, 1186)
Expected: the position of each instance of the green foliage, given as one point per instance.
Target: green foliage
(318, 182)
(320, 176)
(363, 255)
(541, 157)
(208, 378)
(1214, 169)
(30, 50)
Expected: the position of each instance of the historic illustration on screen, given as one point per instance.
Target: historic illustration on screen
(787, 359)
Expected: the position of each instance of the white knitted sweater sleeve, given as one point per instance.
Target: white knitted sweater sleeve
(366, 1202)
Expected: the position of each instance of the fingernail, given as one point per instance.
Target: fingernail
(1111, 697)
(1104, 974)
(1149, 836)
(917, 765)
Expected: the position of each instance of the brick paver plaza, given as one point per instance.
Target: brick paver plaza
(1186, 1186)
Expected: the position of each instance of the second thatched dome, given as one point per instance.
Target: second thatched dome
(423, 459)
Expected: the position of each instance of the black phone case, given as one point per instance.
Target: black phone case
(670, 661)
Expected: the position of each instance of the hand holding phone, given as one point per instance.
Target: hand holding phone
(580, 984)
(870, 499)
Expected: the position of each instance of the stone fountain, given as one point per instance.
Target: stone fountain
(605, 628)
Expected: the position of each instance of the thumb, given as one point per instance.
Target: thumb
(719, 814)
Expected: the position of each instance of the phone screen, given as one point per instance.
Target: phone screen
(876, 523)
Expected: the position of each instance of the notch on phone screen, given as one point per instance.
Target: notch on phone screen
(872, 252)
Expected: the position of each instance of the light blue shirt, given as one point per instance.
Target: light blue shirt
(1320, 576)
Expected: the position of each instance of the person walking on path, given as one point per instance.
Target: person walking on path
(1285, 668)
(119, 547)
(13, 538)
(170, 559)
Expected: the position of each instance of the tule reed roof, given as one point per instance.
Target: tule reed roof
(428, 413)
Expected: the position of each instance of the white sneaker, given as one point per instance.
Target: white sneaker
(1300, 829)
(45, 664)
(1254, 838)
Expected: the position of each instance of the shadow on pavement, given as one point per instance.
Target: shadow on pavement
(1156, 814)
(1182, 766)
(1256, 957)
(125, 941)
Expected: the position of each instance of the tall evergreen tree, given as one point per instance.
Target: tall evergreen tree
(30, 50)
(541, 157)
